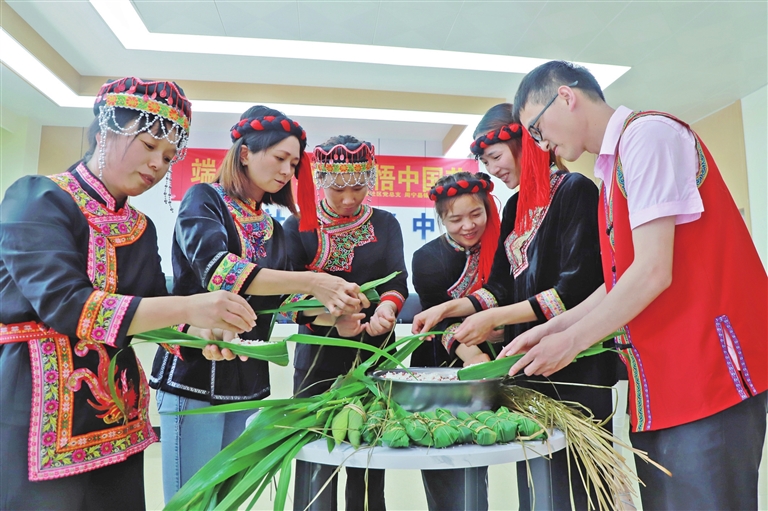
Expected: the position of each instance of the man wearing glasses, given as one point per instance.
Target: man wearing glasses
(682, 278)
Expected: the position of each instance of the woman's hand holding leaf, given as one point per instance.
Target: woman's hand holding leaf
(220, 309)
(424, 321)
(476, 328)
(338, 295)
(349, 325)
(383, 320)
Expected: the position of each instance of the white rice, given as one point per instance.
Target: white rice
(248, 342)
(420, 376)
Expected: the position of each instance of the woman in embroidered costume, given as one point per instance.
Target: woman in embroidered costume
(682, 278)
(224, 240)
(79, 275)
(449, 267)
(359, 244)
(547, 261)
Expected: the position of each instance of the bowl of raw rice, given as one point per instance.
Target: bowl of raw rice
(422, 389)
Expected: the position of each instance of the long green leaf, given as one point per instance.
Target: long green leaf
(343, 343)
(305, 305)
(376, 283)
(277, 352)
(241, 406)
(501, 367)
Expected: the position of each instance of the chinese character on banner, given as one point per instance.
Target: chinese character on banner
(407, 177)
(430, 175)
(203, 171)
(402, 181)
(385, 177)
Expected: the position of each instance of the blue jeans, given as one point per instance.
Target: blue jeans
(190, 441)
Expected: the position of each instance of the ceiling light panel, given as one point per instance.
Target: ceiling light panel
(124, 21)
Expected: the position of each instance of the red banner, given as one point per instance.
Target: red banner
(402, 181)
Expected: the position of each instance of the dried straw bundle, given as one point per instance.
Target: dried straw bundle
(599, 463)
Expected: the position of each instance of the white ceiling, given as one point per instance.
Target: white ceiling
(689, 58)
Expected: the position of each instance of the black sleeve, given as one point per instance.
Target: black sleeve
(396, 289)
(155, 267)
(576, 206)
(202, 236)
(429, 277)
(297, 252)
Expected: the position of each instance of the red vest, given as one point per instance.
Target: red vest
(701, 345)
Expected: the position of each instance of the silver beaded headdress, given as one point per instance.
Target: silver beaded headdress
(154, 101)
(354, 162)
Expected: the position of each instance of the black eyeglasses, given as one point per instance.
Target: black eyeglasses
(532, 129)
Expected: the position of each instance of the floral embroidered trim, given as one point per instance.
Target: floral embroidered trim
(102, 316)
(394, 297)
(732, 341)
(448, 339)
(97, 185)
(516, 246)
(293, 316)
(486, 298)
(338, 237)
(122, 227)
(345, 167)
(108, 230)
(54, 451)
(253, 225)
(550, 303)
(469, 276)
(150, 106)
(231, 274)
(638, 383)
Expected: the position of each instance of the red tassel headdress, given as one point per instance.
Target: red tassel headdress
(534, 171)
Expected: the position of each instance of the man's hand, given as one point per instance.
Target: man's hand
(549, 355)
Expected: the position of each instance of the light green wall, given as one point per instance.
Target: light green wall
(19, 148)
(754, 113)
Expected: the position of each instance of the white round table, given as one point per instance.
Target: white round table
(469, 457)
(426, 458)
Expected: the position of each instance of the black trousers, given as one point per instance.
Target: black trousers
(456, 489)
(118, 487)
(313, 476)
(714, 461)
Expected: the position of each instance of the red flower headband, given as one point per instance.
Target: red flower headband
(460, 187)
(506, 132)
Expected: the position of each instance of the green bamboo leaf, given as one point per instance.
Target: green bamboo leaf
(343, 343)
(281, 494)
(501, 367)
(276, 352)
(305, 305)
(376, 283)
(241, 406)
(241, 492)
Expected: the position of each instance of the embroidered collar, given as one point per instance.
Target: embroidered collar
(338, 236)
(329, 217)
(100, 191)
(458, 248)
(253, 225)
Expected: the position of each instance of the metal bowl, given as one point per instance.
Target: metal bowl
(423, 396)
